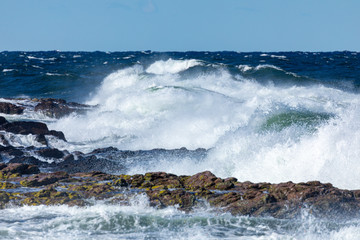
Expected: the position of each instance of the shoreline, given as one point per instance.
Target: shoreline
(75, 179)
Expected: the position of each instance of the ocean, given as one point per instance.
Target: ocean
(259, 117)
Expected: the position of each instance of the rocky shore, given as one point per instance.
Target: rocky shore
(77, 179)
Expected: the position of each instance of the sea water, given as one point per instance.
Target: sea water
(262, 117)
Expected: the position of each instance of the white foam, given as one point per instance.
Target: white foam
(8, 70)
(277, 56)
(245, 68)
(42, 59)
(139, 221)
(139, 111)
(171, 66)
(55, 74)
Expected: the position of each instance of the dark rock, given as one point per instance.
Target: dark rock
(25, 128)
(201, 180)
(2, 120)
(28, 160)
(14, 170)
(12, 151)
(53, 197)
(58, 134)
(9, 108)
(50, 153)
(41, 139)
(88, 164)
(58, 108)
(165, 198)
(42, 179)
(3, 140)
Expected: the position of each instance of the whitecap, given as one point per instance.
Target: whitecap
(171, 66)
(8, 70)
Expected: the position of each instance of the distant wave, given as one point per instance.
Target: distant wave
(171, 66)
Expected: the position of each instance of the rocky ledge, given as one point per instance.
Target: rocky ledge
(40, 174)
(50, 107)
(23, 184)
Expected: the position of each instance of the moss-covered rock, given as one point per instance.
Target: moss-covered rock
(42, 179)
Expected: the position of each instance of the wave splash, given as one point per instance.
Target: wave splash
(254, 131)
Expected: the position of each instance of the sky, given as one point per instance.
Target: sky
(180, 25)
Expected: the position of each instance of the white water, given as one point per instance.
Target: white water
(223, 113)
(139, 221)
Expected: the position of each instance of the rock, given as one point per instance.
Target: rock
(2, 120)
(87, 164)
(11, 151)
(165, 198)
(52, 197)
(7, 185)
(14, 170)
(28, 160)
(25, 128)
(9, 108)
(41, 139)
(42, 179)
(201, 180)
(50, 153)
(3, 140)
(58, 108)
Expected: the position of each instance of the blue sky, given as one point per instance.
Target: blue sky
(180, 25)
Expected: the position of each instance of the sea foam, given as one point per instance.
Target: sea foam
(254, 131)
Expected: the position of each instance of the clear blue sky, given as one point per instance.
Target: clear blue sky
(180, 25)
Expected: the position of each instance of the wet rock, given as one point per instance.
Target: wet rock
(9, 108)
(93, 190)
(7, 185)
(165, 198)
(88, 164)
(42, 179)
(41, 139)
(4, 199)
(201, 180)
(57, 108)
(14, 170)
(50, 153)
(11, 151)
(25, 128)
(28, 160)
(3, 120)
(161, 180)
(52, 197)
(3, 140)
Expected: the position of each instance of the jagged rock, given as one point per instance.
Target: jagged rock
(52, 197)
(13, 170)
(201, 180)
(87, 164)
(284, 200)
(42, 179)
(9, 108)
(3, 140)
(165, 198)
(28, 160)
(25, 128)
(41, 139)
(50, 153)
(12, 151)
(58, 108)
(3, 120)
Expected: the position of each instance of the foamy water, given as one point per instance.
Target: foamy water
(258, 120)
(226, 114)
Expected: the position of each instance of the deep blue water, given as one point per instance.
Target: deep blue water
(74, 75)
